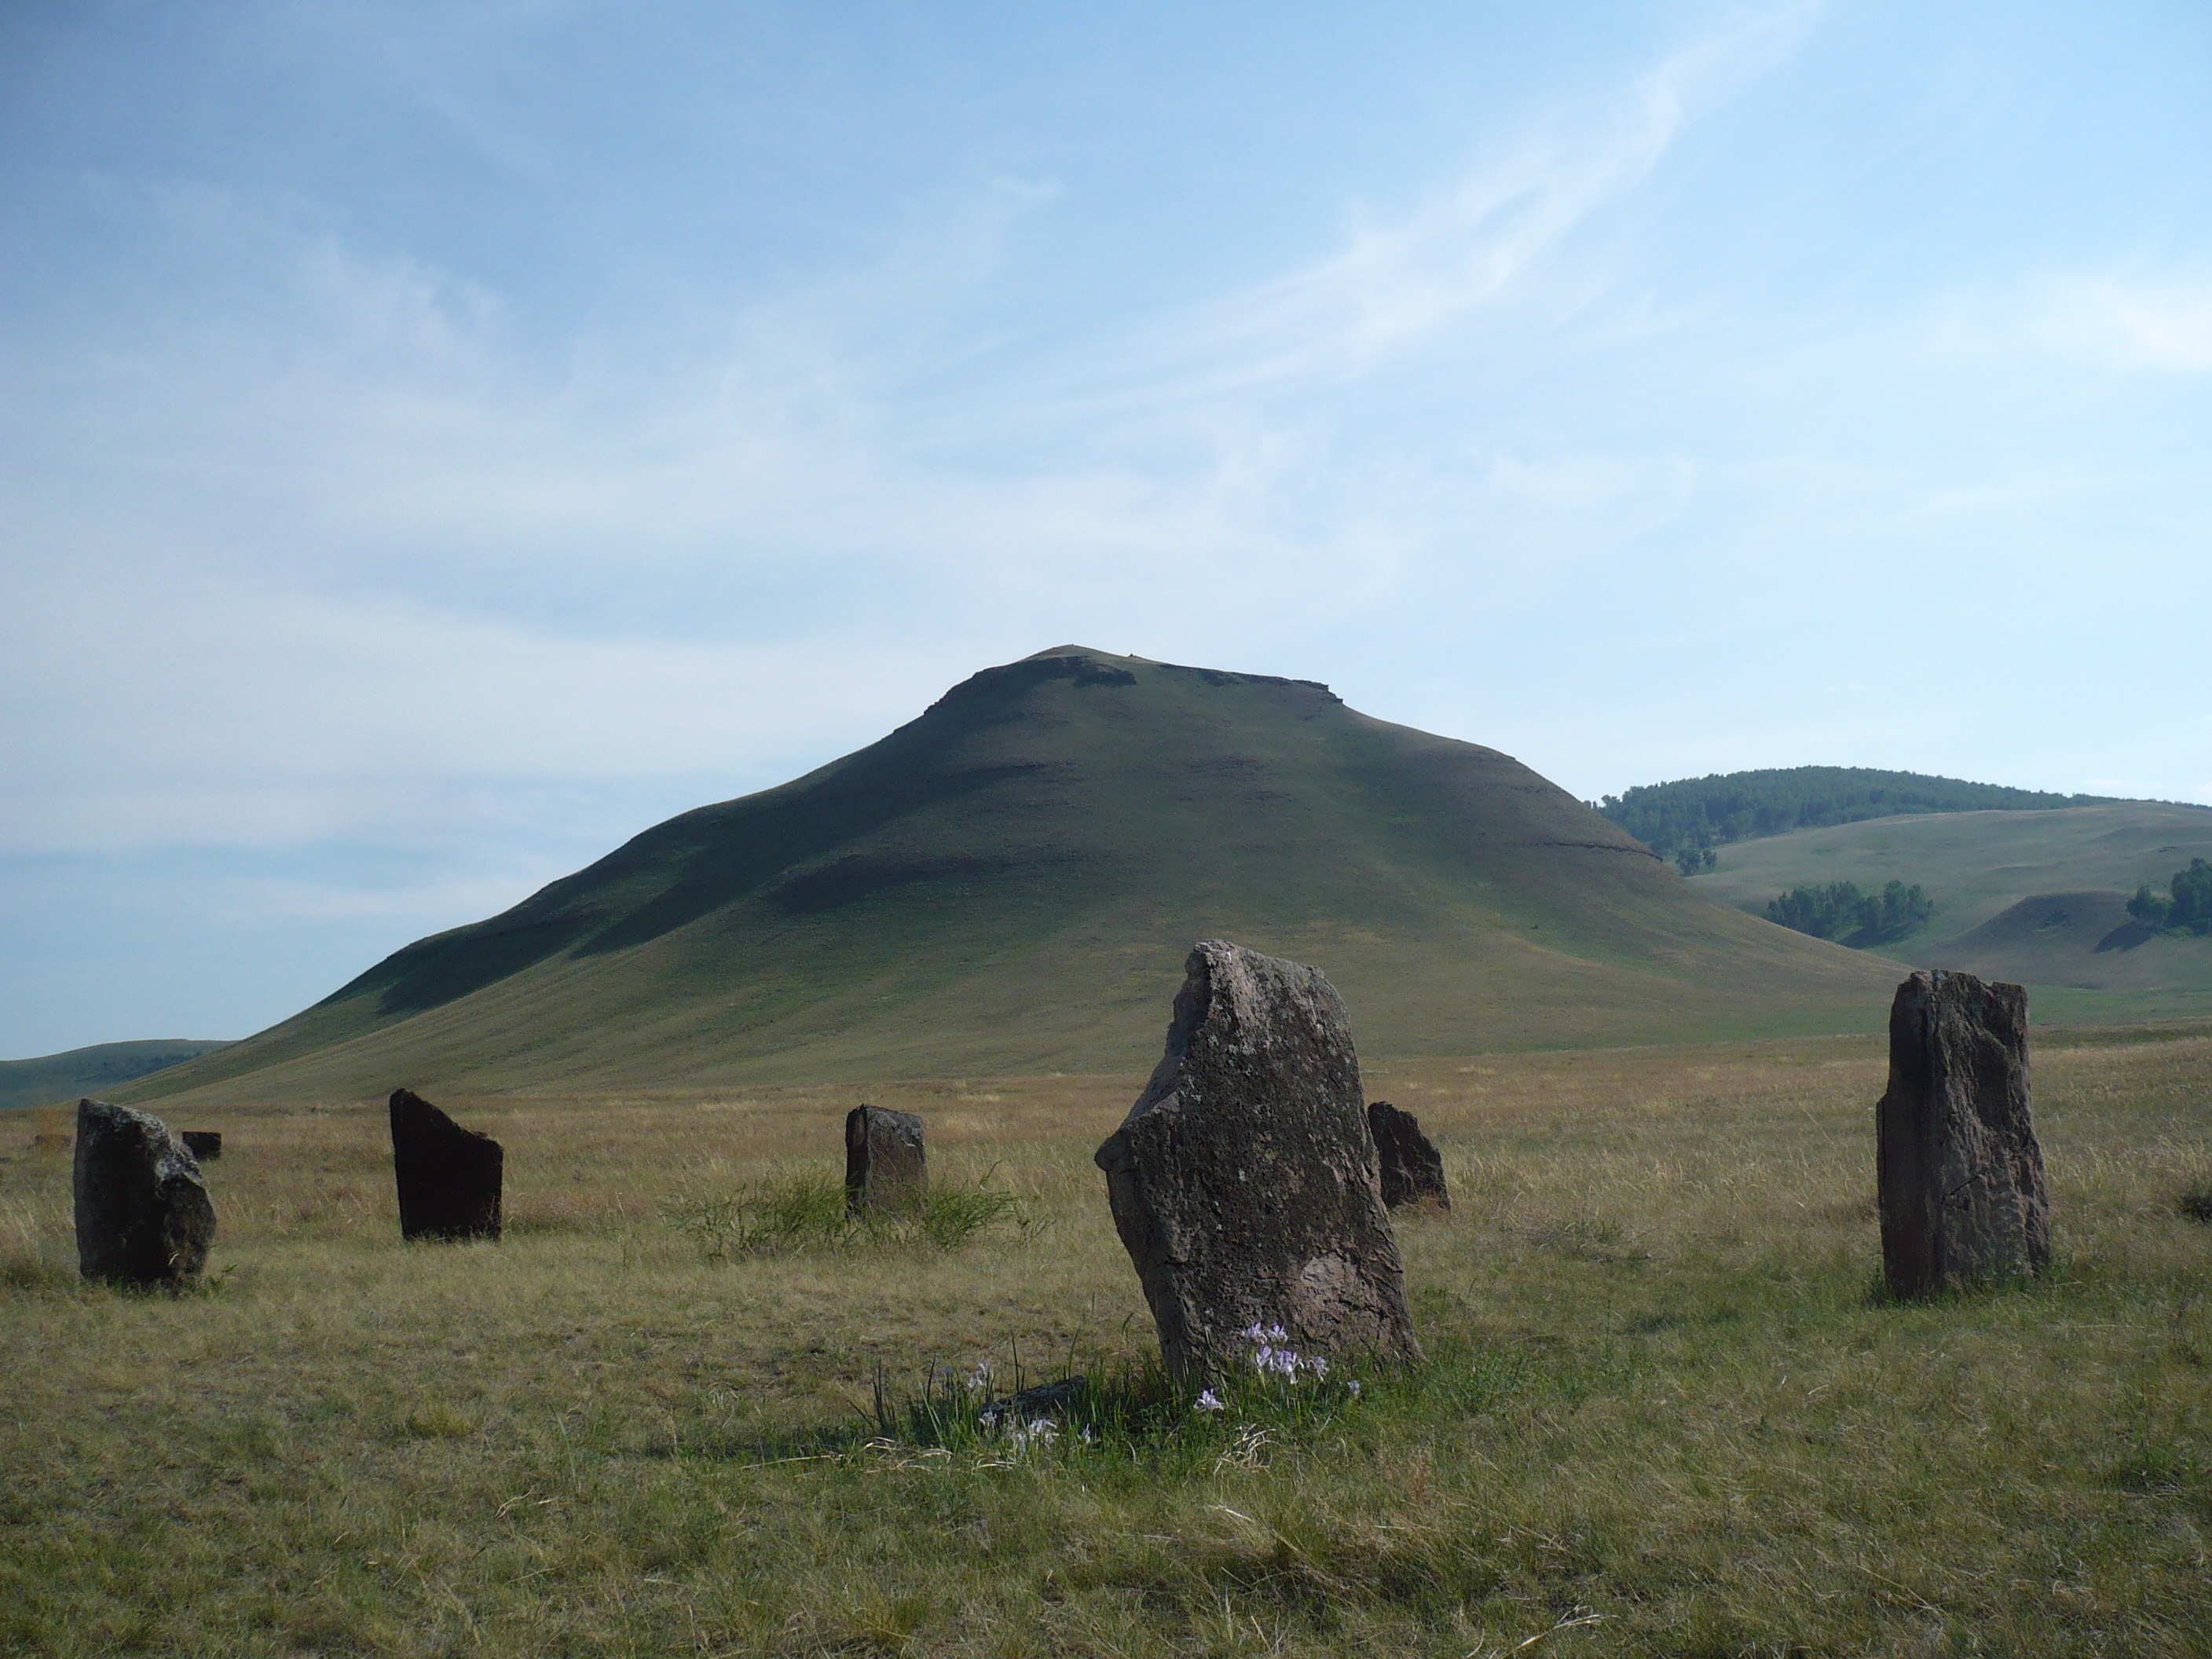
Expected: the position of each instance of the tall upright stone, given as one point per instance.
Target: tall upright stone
(1242, 1181)
(886, 1165)
(143, 1215)
(1962, 1189)
(1411, 1168)
(450, 1178)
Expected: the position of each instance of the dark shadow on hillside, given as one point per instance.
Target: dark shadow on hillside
(2126, 937)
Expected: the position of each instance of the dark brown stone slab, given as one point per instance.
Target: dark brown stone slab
(1242, 1181)
(450, 1178)
(886, 1166)
(1961, 1183)
(143, 1215)
(206, 1145)
(1411, 1169)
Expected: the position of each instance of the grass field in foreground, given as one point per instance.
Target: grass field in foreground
(1664, 1411)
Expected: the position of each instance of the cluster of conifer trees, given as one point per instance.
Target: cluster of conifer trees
(2188, 903)
(1839, 911)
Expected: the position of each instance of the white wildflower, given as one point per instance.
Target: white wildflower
(1209, 1401)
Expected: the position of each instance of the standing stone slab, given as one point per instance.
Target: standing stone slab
(1242, 1181)
(206, 1145)
(449, 1177)
(142, 1213)
(1412, 1169)
(885, 1164)
(1963, 1196)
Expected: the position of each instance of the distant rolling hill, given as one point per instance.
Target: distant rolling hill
(79, 1072)
(2036, 896)
(1726, 807)
(1009, 883)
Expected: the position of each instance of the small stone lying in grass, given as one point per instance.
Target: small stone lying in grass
(2195, 1201)
(1044, 1401)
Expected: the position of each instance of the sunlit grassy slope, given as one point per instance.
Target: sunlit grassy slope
(2038, 897)
(1010, 884)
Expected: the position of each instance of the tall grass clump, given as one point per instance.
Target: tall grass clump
(787, 1214)
(1132, 1413)
(2195, 1201)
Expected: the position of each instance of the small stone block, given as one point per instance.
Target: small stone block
(886, 1166)
(206, 1145)
(1412, 1169)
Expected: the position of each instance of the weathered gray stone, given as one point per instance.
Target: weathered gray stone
(450, 1179)
(1045, 1400)
(886, 1166)
(206, 1145)
(1412, 1169)
(1961, 1183)
(143, 1215)
(1242, 1181)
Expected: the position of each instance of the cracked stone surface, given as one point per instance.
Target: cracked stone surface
(1243, 1180)
(143, 1215)
(1963, 1195)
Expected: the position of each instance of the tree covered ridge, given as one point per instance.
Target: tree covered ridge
(1729, 806)
(2188, 903)
(1839, 911)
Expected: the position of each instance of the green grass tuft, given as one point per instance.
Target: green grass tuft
(783, 1215)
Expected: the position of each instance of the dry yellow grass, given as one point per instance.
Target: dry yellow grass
(1665, 1414)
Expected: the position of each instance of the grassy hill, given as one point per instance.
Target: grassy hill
(79, 1072)
(1009, 884)
(2036, 896)
(1725, 807)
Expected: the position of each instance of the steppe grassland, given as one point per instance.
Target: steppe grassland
(1665, 1413)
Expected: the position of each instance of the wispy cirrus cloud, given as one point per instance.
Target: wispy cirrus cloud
(2161, 323)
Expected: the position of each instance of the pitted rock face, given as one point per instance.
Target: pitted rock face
(450, 1178)
(886, 1166)
(1243, 1180)
(1962, 1187)
(1412, 1169)
(143, 1215)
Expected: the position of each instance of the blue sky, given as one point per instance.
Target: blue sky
(438, 441)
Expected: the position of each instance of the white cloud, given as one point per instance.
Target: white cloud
(323, 530)
(2148, 324)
